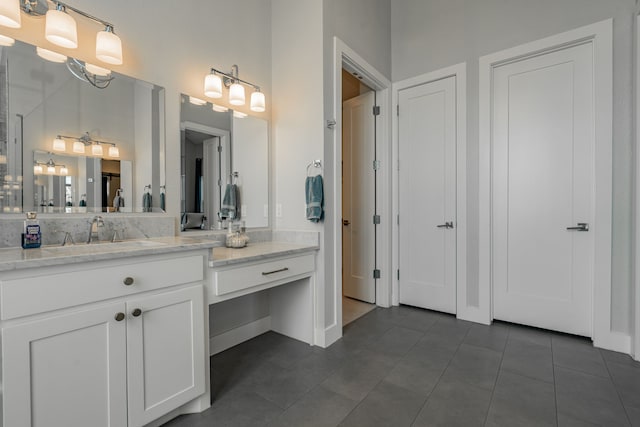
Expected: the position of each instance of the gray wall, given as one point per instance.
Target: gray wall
(429, 35)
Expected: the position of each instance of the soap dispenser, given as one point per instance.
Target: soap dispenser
(31, 235)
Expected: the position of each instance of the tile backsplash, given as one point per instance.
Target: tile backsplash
(53, 227)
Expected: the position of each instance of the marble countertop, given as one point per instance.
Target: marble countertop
(223, 256)
(18, 258)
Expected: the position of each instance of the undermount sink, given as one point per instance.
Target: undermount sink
(107, 245)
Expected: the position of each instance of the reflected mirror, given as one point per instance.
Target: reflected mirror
(224, 167)
(69, 146)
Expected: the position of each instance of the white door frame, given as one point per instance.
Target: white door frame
(347, 58)
(459, 71)
(599, 35)
(636, 306)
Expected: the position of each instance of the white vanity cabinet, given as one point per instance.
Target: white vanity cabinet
(123, 355)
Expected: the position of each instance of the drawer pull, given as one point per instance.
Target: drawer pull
(137, 312)
(119, 317)
(266, 273)
(128, 281)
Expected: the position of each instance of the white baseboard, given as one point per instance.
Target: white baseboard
(614, 341)
(238, 335)
(331, 334)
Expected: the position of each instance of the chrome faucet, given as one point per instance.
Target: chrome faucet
(96, 222)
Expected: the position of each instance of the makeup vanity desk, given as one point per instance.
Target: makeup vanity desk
(284, 270)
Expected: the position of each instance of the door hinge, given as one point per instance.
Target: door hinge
(376, 110)
(376, 219)
(219, 182)
(376, 273)
(398, 274)
(398, 219)
(219, 148)
(376, 165)
(398, 110)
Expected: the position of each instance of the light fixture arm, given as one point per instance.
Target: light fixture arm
(232, 77)
(39, 8)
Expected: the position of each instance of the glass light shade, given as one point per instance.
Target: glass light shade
(236, 94)
(196, 101)
(6, 41)
(114, 151)
(257, 102)
(50, 55)
(219, 108)
(10, 13)
(213, 86)
(98, 71)
(3, 159)
(78, 147)
(51, 169)
(109, 47)
(37, 169)
(59, 144)
(8, 178)
(19, 178)
(60, 29)
(64, 171)
(239, 115)
(96, 150)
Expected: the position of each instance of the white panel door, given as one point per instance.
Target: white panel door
(165, 353)
(66, 370)
(542, 186)
(427, 176)
(358, 198)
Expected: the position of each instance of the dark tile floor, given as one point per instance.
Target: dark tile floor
(410, 367)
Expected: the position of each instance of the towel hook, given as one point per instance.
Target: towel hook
(316, 164)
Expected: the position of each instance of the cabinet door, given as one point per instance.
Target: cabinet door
(165, 352)
(66, 370)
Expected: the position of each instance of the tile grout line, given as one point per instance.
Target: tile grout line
(555, 386)
(606, 365)
(493, 390)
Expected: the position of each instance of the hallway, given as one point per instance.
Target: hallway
(410, 367)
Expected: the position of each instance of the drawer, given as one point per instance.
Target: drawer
(239, 278)
(43, 292)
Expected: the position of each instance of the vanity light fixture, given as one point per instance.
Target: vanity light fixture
(213, 88)
(80, 144)
(61, 28)
(38, 168)
(51, 167)
(6, 41)
(59, 144)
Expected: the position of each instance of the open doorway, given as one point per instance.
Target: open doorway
(358, 197)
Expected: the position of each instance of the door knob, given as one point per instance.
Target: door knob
(128, 281)
(137, 312)
(119, 317)
(345, 222)
(582, 226)
(446, 225)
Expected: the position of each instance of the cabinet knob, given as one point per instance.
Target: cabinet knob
(119, 317)
(137, 312)
(128, 281)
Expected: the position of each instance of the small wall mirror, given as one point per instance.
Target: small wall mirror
(111, 146)
(220, 149)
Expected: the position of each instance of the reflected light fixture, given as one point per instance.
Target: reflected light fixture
(97, 76)
(239, 115)
(219, 108)
(50, 55)
(6, 41)
(10, 13)
(197, 101)
(59, 144)
(80, 144)
(63, 170)
(96, 149)
(51, 167)
(60, 28)
(95, 70)
(213, 88)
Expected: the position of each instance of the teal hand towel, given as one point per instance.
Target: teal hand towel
(314, 192)
(230, 203)
(146, 202)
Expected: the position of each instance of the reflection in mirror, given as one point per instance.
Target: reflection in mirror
(110, 141)
(220, 149)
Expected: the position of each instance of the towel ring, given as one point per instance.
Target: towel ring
(316, 164)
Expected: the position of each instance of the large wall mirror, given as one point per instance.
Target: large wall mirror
(224, 167)
(67, 145)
